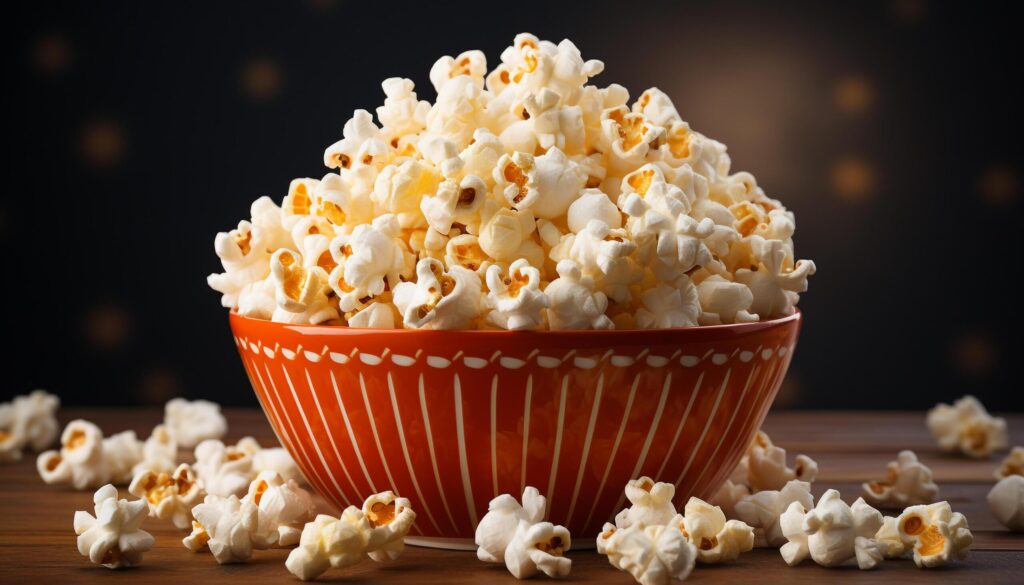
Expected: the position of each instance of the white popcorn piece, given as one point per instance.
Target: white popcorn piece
(455, 202)
(727, 496)
(629, 137)
(606, 256)
(121, 453)
(538, 547)
(1012, 465)
(274, 459)
(458, 111)
(230, 528)
(28, 421)
(593, 204)
(723, 301)
(439, 299)
(258, 300)
(159, 452)
(515, 300)
(776, 281)
(226, 470)
(80, 461)
(575, 304)
(285, 507)
(908, 482)
(763, 510)
(652, 555)
(515, 178)
(472, 64)
(370, 260)
(559, 182)
(399, 188)
(1006, 501)
(376, 315)
(669, 305)
(651, 504)
(402, 113)
(764, 466)
(390, 518)
(717, 540)
(329, 542)
(300, 292)
(505, 235)
(190, 422)
(464, 250)
(243, 254)
(966, 426)
(361, 143)
(657, 107)
(169, 496)
(832, 533)
(888, 537)
(499, 524)
(937, 534)
(113, 537)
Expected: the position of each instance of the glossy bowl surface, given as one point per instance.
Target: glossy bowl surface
(450, 419)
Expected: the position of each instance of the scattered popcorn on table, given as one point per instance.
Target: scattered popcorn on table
(230, 528)
(170, 496)
(651, 504)
(285, 506)
(764, 466)
(191, 422)
(717, 540)
(377, 530)
(114, 537)
(27, 421)
(87, 460)
(278, 460)
(517, 535)
(1006, 501)
(226, 470)
(653, 555)
(888, 536)
(1012, 465)
(908, 482)
(730, 494)
(527, 165)
(936, 534)
(832, 532)
(763, 510)
(967, 427)
(159, 452)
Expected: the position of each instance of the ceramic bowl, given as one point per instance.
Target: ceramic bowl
(450, 419)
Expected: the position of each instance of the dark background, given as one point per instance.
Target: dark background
(135, 131)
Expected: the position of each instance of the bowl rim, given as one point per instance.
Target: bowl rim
(341, 330)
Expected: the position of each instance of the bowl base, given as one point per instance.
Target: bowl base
(467, 544)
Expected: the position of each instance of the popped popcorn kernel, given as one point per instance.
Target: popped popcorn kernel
(514, 163)
(113, 537)
(967, 427)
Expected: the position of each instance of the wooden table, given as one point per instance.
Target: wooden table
(37, 543)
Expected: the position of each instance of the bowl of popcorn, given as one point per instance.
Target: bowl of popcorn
(531, 281)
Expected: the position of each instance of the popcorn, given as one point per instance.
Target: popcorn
(936, 534)
(1012, 465)
(651, 504)
(114, 537)
(230, 528)
(1006, 501)
(717, 540)
(832, 533)
(28, 420)
(652, 555)
(274, 459)
(763, 510)
(764, 466)
(377, 530)
(190, 422)
(908, 482)
(538, 548)
(515, 300)
(86, 459)
(728, 496)
(169, 496)
(159, 452)
(514, 164)
(285, 507)
(225, 470)
(888, 536)
(574, 302)
(967, 427)
(439, 299)
(498, 526)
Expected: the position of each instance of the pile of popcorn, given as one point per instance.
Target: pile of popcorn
(523, 198)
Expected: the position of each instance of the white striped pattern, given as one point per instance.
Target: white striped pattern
(433, 456)
(682, 422)
(586, 447)
(376, 435)
(615, 449)
(352, 435)
(405, 452)
(728, 426)
(494, 433)
(650, 437)
(334, 445)
(711, 419)
(526, 432)
(463, 461)
(550, 494)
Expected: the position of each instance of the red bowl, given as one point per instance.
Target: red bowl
(451, 419)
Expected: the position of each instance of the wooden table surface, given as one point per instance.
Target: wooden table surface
(37, 542)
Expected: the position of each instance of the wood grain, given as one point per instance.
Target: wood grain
(37, 543)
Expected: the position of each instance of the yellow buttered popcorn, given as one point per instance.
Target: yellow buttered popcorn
(527, 161)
